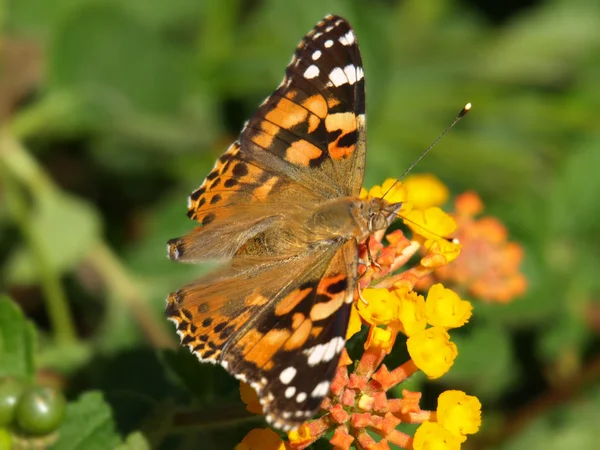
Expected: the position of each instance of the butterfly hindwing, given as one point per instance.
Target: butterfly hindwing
(301, 342)
(283, 333)
(237, 200)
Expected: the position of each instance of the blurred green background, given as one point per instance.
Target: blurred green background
(113, 112)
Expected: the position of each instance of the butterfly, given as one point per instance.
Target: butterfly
(281, 211)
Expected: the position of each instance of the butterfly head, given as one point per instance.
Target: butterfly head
(381, 213)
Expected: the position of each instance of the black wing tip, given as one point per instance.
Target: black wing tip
(333, 19)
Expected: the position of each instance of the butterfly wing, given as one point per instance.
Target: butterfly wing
(291, 353)
(305, 142)
(312, 128)
(276, 315)
(280, 326)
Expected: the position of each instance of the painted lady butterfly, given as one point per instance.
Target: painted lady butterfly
(281, 209)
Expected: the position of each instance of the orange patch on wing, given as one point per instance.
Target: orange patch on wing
(338, 152)
(265, 139)
(316, 331)
(262, 352)
(287, 114)
(346, 123)
(325, 283)
(291, 94)
(290, 301)
(262, 192)
(255, 299)
(299, 337)
(302, 153)
(297, 320)
(323, 310)
(249, 340)
(341, 121)
(332, 102)
(317, 105)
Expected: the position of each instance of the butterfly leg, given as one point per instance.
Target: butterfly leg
(372, 262)
(360, 296)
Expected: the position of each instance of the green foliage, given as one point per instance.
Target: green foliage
(88, 425)
(66, 245)
(17, 342)
(126, 105)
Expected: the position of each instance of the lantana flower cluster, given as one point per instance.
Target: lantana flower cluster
(363, 408)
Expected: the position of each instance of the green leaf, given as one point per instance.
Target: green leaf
(135, 441)
(38, 18)
(88, 425)
(67, 228)
(484, 360)
(544, 45)
(573, 210)
(108, 53)
(571, 425)
(198, 378)
(17, 341)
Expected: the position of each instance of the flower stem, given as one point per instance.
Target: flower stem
(57, 306)
(116, 277)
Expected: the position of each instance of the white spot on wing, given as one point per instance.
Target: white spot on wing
(289, 392)
(359, 73)
(339, 344)
(301, 397)
(347, 39)
(316, 55)
(311, 72)
(331, 350)
(325, 352)
(328, 43)
(287, 375)
(320, 389)
(349, 74)
(338, 77)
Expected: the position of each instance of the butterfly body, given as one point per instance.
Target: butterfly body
(281, 211)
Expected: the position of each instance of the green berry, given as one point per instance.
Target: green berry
(10, 392)
(40, 410)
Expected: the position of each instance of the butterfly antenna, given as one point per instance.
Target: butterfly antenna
(453, 240)
(460, 115)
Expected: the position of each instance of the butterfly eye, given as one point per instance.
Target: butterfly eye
(377, 222)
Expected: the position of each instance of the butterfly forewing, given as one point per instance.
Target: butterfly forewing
(312, 126)
(276, 313)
